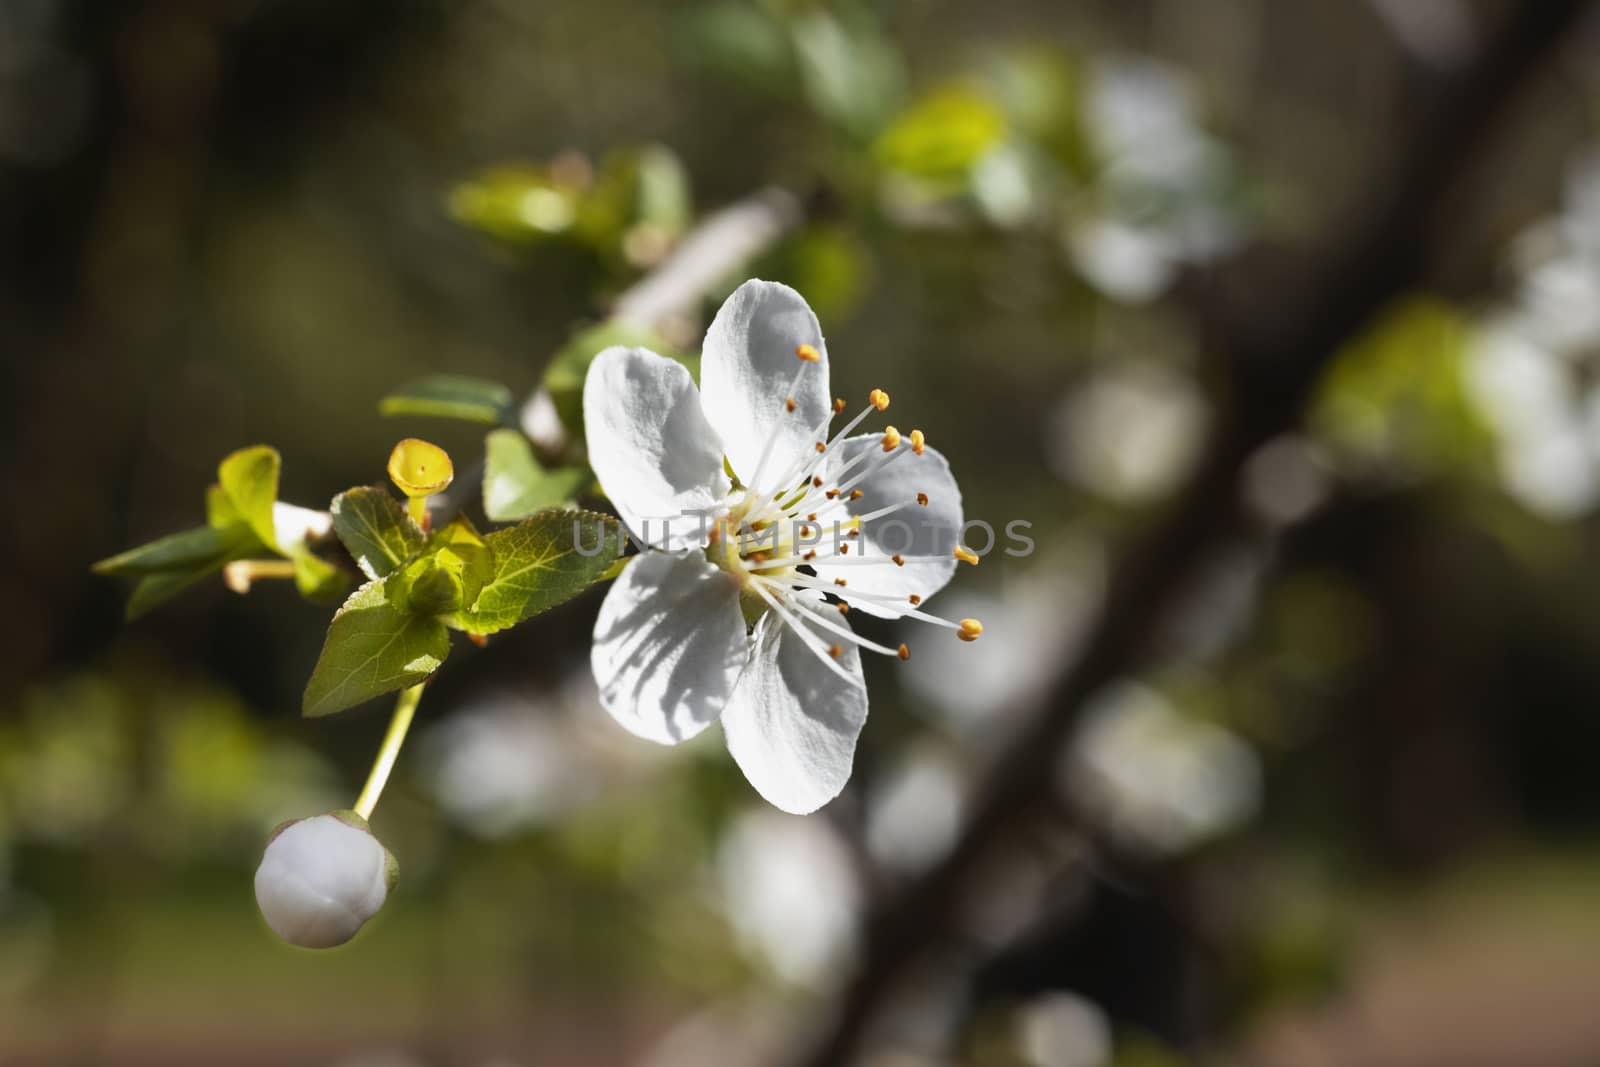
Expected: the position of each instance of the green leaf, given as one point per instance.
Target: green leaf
(154, 590)
(515, 485)
(220, 512)
(537, 565)
(452, 396)
(316, 578)
(373, 647)
(249, 477)
(203, 547)
(943, 136)
(376, 529)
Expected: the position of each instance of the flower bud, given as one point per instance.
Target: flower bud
(322, 878)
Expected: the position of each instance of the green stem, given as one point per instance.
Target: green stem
(404, 709)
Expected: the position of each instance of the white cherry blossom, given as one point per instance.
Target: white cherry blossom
(768, 530)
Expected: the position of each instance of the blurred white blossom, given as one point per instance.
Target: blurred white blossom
(789, 888)
(1530, 397)
(1032, 625)
(1156, 780)
(506, 764)
(1131, 432)
(1063, 1030)
(744, 1031)
(914, 811)
(1162, 197)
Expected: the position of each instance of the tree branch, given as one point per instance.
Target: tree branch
(1275, 364)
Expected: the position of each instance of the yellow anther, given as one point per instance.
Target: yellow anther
(835, 651)
(878, 399)
(856, 494)
(891, 438)
(810, 555)
(807, 353)
(840, 582)
(844, 609)
(966, 555)
(812, 517)
(805, 531)
(853, 533)
(915, 599)
(832, 494)
(821, 447)
(844, 550)
(838, 404)
(899, 560)
(918, 442)
(817, 481)
(970, 629)
(905, 651)
(922, 498)
(789, 404)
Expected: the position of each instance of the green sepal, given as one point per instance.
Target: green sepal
(461, 541)
(428, 585)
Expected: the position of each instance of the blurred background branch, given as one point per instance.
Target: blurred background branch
(1274, 360)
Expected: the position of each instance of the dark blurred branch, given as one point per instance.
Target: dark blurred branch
(1274, 362)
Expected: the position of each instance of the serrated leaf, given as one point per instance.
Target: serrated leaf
(516, 486)
(249, 477)
(373, 648)
(452, 396)
(376, 530)
(538, 565)
(200, 548)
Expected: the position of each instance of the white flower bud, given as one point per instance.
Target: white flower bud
(321, 878)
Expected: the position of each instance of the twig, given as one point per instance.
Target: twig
(1275, 365)
(720, 245)
(723, 242)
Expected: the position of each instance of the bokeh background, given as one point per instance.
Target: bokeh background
(1336, 804)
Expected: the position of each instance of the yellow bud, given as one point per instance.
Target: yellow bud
(420, 469)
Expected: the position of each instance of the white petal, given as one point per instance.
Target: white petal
(649, 443)
(320, 879)
(747, 369)
(293, 525)
(923, 535)
(792, 723)
(668, 645)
